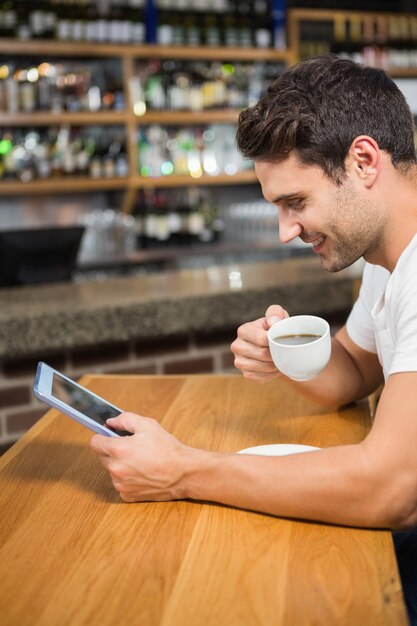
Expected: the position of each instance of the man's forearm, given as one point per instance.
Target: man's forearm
(334, 485)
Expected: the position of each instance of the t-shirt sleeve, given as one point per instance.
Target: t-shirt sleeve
(405, 329)
(359, 325)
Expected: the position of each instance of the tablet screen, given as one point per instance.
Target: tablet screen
(82, 401)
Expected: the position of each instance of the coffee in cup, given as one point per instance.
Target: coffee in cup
(300, 346)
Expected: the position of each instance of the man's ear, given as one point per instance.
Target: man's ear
(364, 159)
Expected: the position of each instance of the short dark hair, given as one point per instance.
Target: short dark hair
(317, 108)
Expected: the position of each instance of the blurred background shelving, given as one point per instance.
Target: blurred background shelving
(127, 109)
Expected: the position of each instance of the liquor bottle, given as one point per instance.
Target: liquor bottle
(244, 23)
(37, 20)
(212, 30)
(178, 88)
(95, 26)
(261, 16)
(137, 21)
(155, 94)
(116, 23)
(195, 222)
(278, 22)
(149, 219)
(229, 30)
(42, 160)
(22, 31)
(79, 20)
(174, 221)
(165, 27)
(7, 152)
(206, 235)
(184, 211)
(82, 159)
(12, 94)
(8, 19)
(162, 233)
(27, 94)
(193, 32)
(63, 30)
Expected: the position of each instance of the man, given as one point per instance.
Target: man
(333, 148)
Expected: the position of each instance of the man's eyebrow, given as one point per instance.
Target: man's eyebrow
(286, 196)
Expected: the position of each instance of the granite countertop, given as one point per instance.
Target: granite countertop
(67, 315)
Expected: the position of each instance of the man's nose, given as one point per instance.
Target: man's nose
(288, 228)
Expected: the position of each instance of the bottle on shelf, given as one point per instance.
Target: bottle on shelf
(244, 23)
(211, 26)
(101, 21)
(190, 151)
(198, 85)
(386, 41)
(195, 218)
(262, 18)
(59, 87)
(214, 23)
(30, 154)
(8, 19)
(178, 218)
(167, 22)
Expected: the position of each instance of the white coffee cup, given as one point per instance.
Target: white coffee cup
(305, 360)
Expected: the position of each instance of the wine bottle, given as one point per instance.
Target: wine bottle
(94, 27)
(261, 16)
(137, 21)
(8, 19)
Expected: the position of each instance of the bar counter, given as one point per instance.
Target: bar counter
(62, 316)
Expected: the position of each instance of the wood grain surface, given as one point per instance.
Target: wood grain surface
(72, 553)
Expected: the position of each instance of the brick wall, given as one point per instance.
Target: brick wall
(194, 354)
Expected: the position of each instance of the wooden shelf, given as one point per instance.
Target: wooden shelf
(62, 185)
(74, 184)
(221, 116)
(402, 72)
(241, 178)
(49, 118)
(81, 49)
(320, 15)
(45, 118)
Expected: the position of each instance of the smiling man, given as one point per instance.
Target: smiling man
(333, 147)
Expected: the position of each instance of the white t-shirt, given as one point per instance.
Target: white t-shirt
(384, 318)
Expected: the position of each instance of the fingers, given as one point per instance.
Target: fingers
(100, 445)
(275, 313)
(111, 447)
(251, 349)
(256, 370)
(250, 364)
(254, 361)
(127, 421)
(252, 358)
(254, 333)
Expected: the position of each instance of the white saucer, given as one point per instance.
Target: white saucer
(278, 449)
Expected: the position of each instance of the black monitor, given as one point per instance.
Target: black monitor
(38, 255)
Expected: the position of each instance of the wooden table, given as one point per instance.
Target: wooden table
(72, 553)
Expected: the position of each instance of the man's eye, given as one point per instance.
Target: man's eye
(291, 205)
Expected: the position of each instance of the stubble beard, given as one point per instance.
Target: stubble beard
(357, 232)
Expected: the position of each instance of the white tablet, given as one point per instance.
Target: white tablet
(76, 401)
